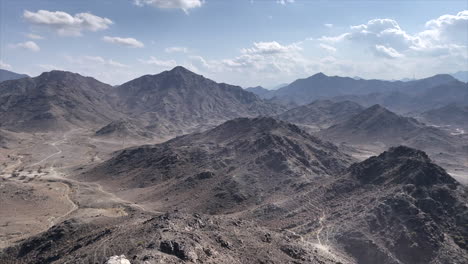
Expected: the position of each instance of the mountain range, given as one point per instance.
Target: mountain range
(258, 183)
(414, 95)
(378, 125)
(170, 103)
(9, 75)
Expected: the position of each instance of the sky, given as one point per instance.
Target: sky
(241, 42)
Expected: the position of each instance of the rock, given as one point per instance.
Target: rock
(118, 260)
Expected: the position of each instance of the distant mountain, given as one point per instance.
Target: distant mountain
(8, 75)
(236, 165)
(452, 114)
(55, 100)
(321, 113)
(179, 101)
(259, 90)
(421, 97)
(321, 86)
(377, 125)
(461, 76)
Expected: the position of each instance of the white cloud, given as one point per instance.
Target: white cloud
(66, 24)
(445, 35)
(271, 48)
(387, 52)
(176, 49)
(28, 45)
(128, 42)
(5, 65)
(284, 2)
(328, 25)
(453, 28)
(160, 63)
(328, 48)
(34, 36)
(185, 5)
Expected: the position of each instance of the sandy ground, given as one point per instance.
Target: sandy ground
(36, 190)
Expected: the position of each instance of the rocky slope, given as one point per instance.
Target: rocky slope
(453, 114)
(123, 129)
(321, 113)
(234, 166)
(8, 75)
(377, 125)
(179, 101)
(55, 101)
(395, 208)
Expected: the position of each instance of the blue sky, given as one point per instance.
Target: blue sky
(249, 43)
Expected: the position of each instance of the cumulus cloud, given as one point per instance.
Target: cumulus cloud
(34, 36)
(28, 45)
(159, 63)
(269, 59)
(328, 48)
(271, 48)
(185, 5)
(284, 2)
(128, 42)
(94, 60)
(66, 24)
(387, 52)
(176, 49)
(4, 65)
(328, 25)
(445, 35)
(451, 28)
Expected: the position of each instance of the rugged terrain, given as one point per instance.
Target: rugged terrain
(55, 101)
(88, 175)
(178, 102)
(321, 114)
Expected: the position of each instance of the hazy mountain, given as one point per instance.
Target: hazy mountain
(8, 75)
(180, 101)
(461, 76)
(321, 86)
(321, 113)
(377, 125)
(420, 99)
(53, 101)
(259, 90)
(238, 164)
(452, 114)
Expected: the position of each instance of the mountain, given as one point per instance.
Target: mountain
(123, 129)
(461, 76)
(321, 86)
(321, 113)
(55, 100)
(377, 125)
(452, 114)
(260, 91)
(422, 98)
(394, 208)
(237, 165)
(8, 75)
(400, 208)
(179, 101)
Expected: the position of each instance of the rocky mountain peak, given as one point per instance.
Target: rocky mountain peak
(401, 165)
